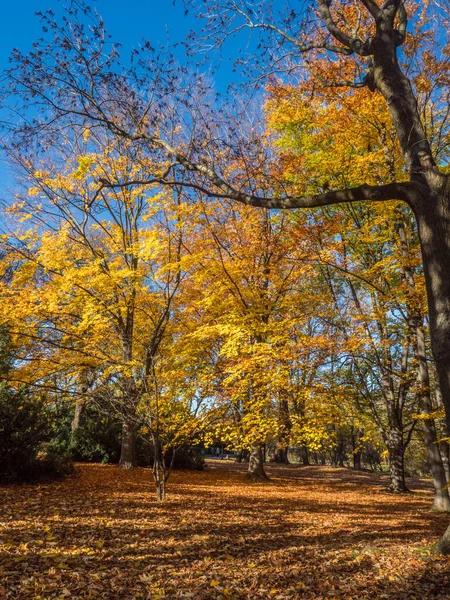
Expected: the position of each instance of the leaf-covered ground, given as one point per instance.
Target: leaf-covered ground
(312, 532)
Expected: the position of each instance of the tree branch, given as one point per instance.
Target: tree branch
(391, 191)
(378, 193)
(354, 44)
(301, 46)
(372, 7)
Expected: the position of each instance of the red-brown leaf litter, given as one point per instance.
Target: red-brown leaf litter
(310, 532)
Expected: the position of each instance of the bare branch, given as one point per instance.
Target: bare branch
(301, 46)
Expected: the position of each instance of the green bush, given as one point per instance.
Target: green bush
(189, 457)
(97, 439)
(25, 433)
(186, 457)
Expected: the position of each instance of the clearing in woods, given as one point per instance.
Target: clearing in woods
(312, 532)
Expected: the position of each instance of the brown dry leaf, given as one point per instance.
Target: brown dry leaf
(309, 533)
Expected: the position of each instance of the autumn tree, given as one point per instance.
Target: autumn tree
(364, 39)
(95, 294)
(378, 255)
(261, 303)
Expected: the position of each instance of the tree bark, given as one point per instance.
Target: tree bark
(161, 491)
(396, 461)
(128, 447)
(444, 542)
(357, 460)
(256, 465)
(79, 405)
(284, 432)
(433, 216)
(304, 456)
(445, 450)
(341, 453)
(83, 385)
(356, 451)
(441, 499)
(281, 456)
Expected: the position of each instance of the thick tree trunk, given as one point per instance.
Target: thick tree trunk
(445, 455)
(430, 202)
(433, 218)
(281, 456)
(128, 448)
(256, 465)
(396, 461)
(444, 448)
(444, 542)
(441, 499)
(304, 456)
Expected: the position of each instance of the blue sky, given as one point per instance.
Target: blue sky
(128, 21)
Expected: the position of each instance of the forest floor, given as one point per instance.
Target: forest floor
(311, 532)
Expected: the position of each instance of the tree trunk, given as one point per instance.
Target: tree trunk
(396, 461)
(445, 455)
(341, 453)
(357, 459)
(281, 456)
(128, 448)
(79, 405)
(304, 456)
(284, 432)
(433, 217)
(441, 498)
(338, 455)
(159, 475)
(430, 202)
(84, 382)
(444, 542)
(161, 491)
(444, 448)
(356, 451)
(256, 465)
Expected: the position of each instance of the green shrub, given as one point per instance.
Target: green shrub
(25, 434)
(97, 439)
(186, 457)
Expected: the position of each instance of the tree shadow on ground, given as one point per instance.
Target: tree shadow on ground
(305, 536)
